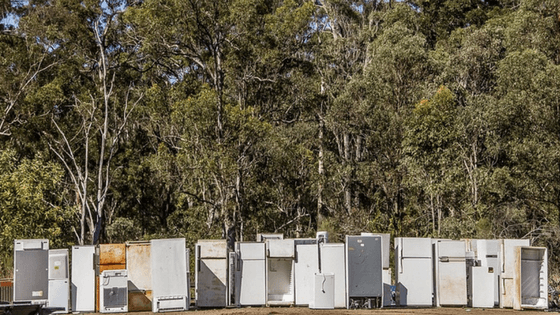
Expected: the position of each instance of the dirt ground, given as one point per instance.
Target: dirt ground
(387, 311)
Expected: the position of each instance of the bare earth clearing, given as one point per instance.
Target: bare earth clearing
(392, 311)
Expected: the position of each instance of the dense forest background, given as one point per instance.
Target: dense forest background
(137, 119)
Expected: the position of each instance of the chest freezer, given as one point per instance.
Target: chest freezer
(333, 262)
(211, 275)
(250, 274)
(83, 279)
(31, 277)
(413, 271)
(170, 268)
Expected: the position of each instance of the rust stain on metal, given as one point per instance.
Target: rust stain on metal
(6, 283)
(139, 266)
(139, 301)
(112, 254)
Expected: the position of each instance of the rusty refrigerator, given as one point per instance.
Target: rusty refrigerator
(110, 257)
(170, 268)
(139, 267)
(507, 284)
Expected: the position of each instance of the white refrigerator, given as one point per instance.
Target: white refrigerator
(531, 278)
(413, 271)
(333, 262)
(507, 285)
(211, 276)
(451, 273)
(250, 274)
(170, 268)
(306, 266)
(280, 272)
(59, 282)
(83, 279)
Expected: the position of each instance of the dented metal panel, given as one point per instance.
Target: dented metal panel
(110, 254)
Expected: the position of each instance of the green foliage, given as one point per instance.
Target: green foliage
(224, 119)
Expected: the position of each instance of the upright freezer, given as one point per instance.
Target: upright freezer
(211, 276)
(507, 285)
(280, 271)
(306, 266)
(413, 271)
(170, 268)
(364, 271)
(83, 279)
(531, 278)
(250, 274)
(139, 267)
(333, 262)
(31, 271)
(451, 273)
(59, 279)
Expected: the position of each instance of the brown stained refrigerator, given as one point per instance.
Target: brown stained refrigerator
(109, 257)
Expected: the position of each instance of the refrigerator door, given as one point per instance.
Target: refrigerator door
(211, 282)
(252, 290)
(58, 264)
(414, 271)
(507, 285)
(364, 258)
(170, 288)
(306, 265)
(59, 294)
(452, 273)
(323, 292)
(483, 287)
(488, 253)
(280, 248)
(212, 248)
(83, 279)
(31, 262)
(332, 262)
(251, 251)
(414, 283)
(139, 266)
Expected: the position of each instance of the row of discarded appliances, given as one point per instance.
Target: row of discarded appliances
(155, 275)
